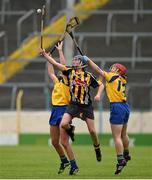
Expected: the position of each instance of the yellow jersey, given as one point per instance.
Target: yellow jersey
(61, 94)
(115, 87)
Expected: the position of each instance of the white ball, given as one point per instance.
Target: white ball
(38, 11)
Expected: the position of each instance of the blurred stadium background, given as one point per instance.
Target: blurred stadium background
(110, 31)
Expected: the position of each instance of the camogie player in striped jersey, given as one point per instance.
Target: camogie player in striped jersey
(116, 81)
(80, 81)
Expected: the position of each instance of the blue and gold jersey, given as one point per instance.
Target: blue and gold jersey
(80, 82)
(115, 87)
(61, 94)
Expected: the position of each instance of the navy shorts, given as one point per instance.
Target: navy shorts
(56, 115)
(119, 112)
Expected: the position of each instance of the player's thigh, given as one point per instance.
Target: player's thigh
(55, 133)
(66, 119)
(116, 130)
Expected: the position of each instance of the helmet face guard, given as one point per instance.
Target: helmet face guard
(81, 60)
(121, 68)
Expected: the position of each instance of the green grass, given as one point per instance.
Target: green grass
(41, 162)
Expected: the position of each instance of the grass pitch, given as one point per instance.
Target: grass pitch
(42, 162)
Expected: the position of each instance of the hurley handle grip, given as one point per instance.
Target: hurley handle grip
(54, 47)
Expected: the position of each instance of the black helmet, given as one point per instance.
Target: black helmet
(81, 58)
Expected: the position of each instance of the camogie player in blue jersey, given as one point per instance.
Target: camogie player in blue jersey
(116, 81)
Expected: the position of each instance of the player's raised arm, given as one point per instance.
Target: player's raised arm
(51, 60)
(59, 47)
(94, 66)
(51, 72)
(100, 89)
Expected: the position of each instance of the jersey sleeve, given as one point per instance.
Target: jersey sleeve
(108, 76)
(94, 82)
(67, 71)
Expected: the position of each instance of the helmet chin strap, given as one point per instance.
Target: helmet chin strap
(117, 70)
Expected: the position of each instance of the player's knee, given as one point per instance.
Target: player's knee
(64, 144)
(63, 125)
(117, 140)
(55, 143)
(124, 135)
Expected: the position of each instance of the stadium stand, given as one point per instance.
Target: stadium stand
(117, 32)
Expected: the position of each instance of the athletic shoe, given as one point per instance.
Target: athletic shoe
(120, 166)
(73, 171)
(70, 132)
(62, 167)
(98, 152)
(127, 158)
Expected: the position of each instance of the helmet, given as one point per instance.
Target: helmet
(122, 69)
(81, 59)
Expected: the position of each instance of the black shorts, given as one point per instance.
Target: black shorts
(80, 111)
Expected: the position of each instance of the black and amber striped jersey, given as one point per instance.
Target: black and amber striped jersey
(80, 82)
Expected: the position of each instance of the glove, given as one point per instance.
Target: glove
(85, 59)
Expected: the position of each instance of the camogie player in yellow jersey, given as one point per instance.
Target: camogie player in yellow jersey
(116, 81)
(60, 99)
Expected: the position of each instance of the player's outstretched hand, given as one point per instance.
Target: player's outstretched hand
(59, 46)
(85, 59)
(43, 52)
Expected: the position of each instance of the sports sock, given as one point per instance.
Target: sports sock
(96, 146)
(126, 152)
(98, 152)
(120, 158)
(64, 159)
(73, 163)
